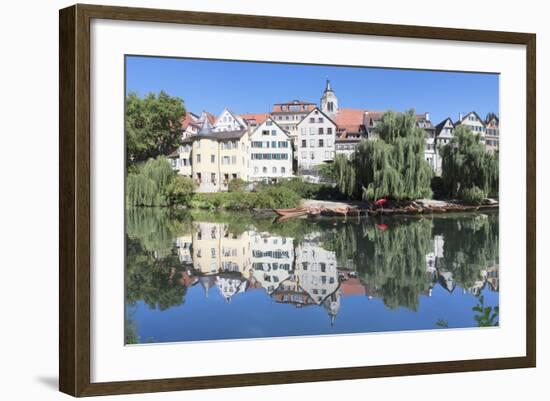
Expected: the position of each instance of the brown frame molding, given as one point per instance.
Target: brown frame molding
(74, 198)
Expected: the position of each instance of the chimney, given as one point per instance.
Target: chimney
(427, 116)
(460, 116)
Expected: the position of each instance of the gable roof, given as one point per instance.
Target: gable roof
(235, 117)
(189, 119)
(460, 121)
(207, 115)
(320, 111)
(440, 126)
(275, 123)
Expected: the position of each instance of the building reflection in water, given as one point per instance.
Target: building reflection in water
(298, 274)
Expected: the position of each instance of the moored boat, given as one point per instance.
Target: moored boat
(292, 212)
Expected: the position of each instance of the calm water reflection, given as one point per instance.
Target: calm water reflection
(205, 276)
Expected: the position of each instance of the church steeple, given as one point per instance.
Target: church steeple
(329, 101)
(328, 87)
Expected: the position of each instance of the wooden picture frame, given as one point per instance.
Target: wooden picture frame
(74, 199)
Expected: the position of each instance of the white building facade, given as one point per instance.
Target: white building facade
(270, 152)
(227, 121)
(316, 140)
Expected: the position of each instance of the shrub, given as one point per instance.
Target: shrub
(180, 190)
(236, 185)
(474, 195)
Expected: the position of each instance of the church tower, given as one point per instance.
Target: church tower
(329, 101)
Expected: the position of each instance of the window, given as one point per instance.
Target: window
(264, 169)
(321, 119)
(233, 159)
(312, 155)
(213, 178)
(273, 144)
(212, 158)
(256, 170)
(283, 170)
(329, 143)
(265, 132)
(304, 155)
(274, 170)
(312, 143)
(304, 143)
(312, 120)
(198, 158)
(273, 132)
(321, 132)
(327, 155)
(321, 143)
(329, 131)
(268, 122)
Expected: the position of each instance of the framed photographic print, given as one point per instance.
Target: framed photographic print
(280, 200)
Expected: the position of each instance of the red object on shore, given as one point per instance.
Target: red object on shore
(380, 202)
(382, 227)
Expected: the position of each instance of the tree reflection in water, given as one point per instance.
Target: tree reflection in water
(309, 262)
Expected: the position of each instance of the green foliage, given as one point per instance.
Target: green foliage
(391, 166)
(466, 165)
(148, 187)
(152, 126)
(306, 190)
(236, 185)
(393, 261)
(473, 195)
(487, 316)
(278, 198)
(269, 198)
(471, 244)
(180, 190)
(152, 279)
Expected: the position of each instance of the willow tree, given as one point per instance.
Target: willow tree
(468, 170)
(149, 185)
(392, 165)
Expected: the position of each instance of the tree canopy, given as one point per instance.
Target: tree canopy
(468, 170)
(392, 165)
(152, 125)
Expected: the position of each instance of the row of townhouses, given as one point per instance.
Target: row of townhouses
(294, 138)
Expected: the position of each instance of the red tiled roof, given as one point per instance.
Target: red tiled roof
(349, 119)
(189, 119)
(212, 118)
(258, 117)
(353, 286)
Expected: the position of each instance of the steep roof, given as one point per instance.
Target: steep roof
(320, 111)
(440, 126)
(461, 120)
(189, 119)
(274, 123)
(205, 114)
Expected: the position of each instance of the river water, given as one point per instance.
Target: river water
(194, 276)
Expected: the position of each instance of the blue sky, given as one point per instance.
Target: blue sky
(252, 87)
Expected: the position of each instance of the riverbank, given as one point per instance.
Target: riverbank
(419, 206)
